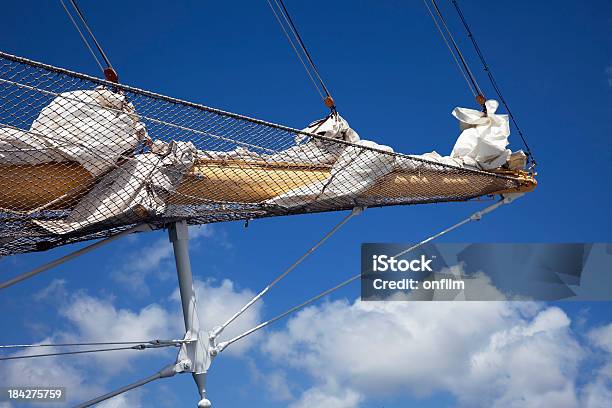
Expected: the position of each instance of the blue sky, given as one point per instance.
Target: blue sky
(395, 82)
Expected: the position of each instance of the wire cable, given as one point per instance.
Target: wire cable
(165, 372)
(299, 37)
(314, 82)
(64, 353)
(293, 36)
(223, 345)
(331, 232)
(93, 37)
(74, 23)
(492, 79)
(435, 20)
(457, 49)
(474, 217)
(98, 343)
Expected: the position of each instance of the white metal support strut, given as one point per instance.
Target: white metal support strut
(194, 355)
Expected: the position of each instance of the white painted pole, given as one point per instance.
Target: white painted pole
(197, 351)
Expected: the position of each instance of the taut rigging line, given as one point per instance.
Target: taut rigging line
(109, 72)
(279, 9)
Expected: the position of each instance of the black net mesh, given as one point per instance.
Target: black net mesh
(81, 159)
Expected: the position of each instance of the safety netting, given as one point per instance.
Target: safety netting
(82, 158)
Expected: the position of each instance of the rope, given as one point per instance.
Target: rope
(492, 79)
(457, 50)
(314, 83)
(331, 232)
(74, 23)
(467, 81)
(93, 37)
(64, 353)
(299, 37)
(282, 9)
(474, 217)
(99, 343)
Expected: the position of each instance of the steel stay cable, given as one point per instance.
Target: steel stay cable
(224, 344)
(296, 50)
(293, 36)
(491, 78)
(474, 217)
(457, 49)
(74, 254)
(433, 17)
(217, 330)
(93, 37)
(63, 353)
(98, 343)
(74, 23)
(165, 372)
(299, 38)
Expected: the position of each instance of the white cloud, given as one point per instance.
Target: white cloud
(131, 399)
(86, 318)
(94, 319)
(90, 319)
(274, 382)
(155, 260)
(49, 372)
(55, 290)
(530, 364)
(602, 337)
(495, 354)
(278, 386)
(328, 398)
(598, 392)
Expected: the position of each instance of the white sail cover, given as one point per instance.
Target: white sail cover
(481, 145)
(97, 128)
(138, 189)
(91, 127)
(484, 137)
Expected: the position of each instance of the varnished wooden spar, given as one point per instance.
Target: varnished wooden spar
(50, 186)
(55, 186)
